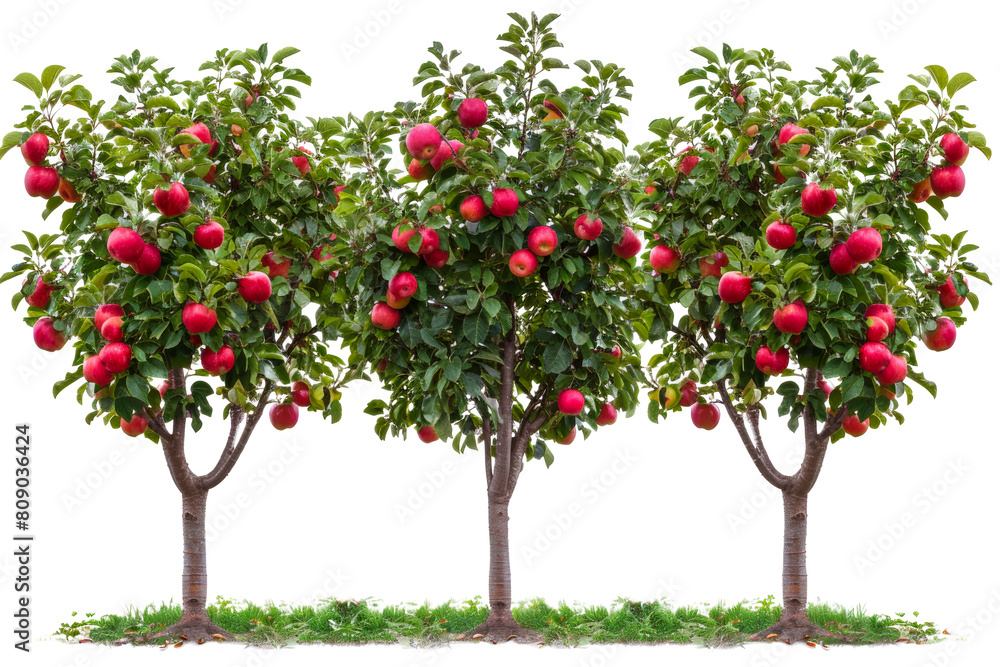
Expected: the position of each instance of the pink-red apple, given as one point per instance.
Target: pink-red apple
(608, 415)
(664, 259)
(864, 245)
(218, 362)
(385, 316)
(254, 287)
(403, 285)
(874, 357)
(955, 150)
(198, 318)
(772, 362)
(125, 245)
(705, 416)
(472, 112)
(571, 402)
(115, 357)
(948, 181)
(473, 208)
(523, 263)
(173, 201)
(209, 235)
(41, 182)
(629, 246)
(35, 149)
(283, 416)
(505, 202)
(275, 265)
(734, 287)
(588, 228)
(427, 434)
(423, 141)
(818, 201)
(791, 318)
(46, 336)
(300, 394)
(941, 336)
(780, 235)
(542, 241)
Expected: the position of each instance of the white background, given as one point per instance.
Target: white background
(687, 518)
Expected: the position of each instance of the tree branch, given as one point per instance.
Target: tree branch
(225, 465)
(505, 427)
(524, 433)
(833, 423)
(487, 446)
(173, 446)
(155, 423)
(773, 477)
(753, 416)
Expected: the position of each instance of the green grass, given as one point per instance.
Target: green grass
(627, 621)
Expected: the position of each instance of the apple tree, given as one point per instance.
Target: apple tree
(491, 285)
(188, 239)
(794, 257)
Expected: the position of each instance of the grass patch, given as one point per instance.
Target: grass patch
(626, 621)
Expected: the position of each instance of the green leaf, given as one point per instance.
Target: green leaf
(940, 75)
(70, 378)
(477, 327)
(827, 101)
(958, 82)
(10, 140)
(706, 53)
(283, 53)
(50, 74)
(31, 82)
(557, 357)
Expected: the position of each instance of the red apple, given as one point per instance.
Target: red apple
(472, 112)
(894, 372)
(874, 357)
(300, 394)
(705, 416)
(125, 245)
(569, 437)
(41, 182)
(523, 263)
(778, 176)
(301, 162)
(395, 302)
(791, 318)
(41, 295)
(209, 176)
(571, 402)
(792, 130)
(780, 235)
(46, 336)
(115, 357)
(275, 265)
(841, 261)
(772, 362)
(209, 235)
(921, 191)
(427, 434)
(436, 258)
(948, 181)
(198, 318)
(949, 295)
(401, 239)
(423, 141)
(713, 265)
(505, 202)
(664, 259)
(198, 130)
(419, 171)
(629, 246)
(218, 363)
(429, 241)
(689, 393)
(35, 149)
(542, 241)
(385, 316)
(254, 287)
(884, 312)
(149, 261)
(853, 426)
(111, 330)
(818, 201)
(608, 416)
(94, 371)
(68, 193)
(283, 416)
(106, 312)
(616, 352)
(955, 150)
(173, 201)
(877, 329)
(941, 336)
(864, 245)
(588, 228)
(447, 151)
(403, 285)
(826, 387)
(734, 287)
(473, 208)
(134, 427)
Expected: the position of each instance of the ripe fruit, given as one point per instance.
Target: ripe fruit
(864, 245)
(921, 191)
(300, 394)
(283, 415)
(254, 287)
(650, 189)
(772, 362)
(419, 171)
(884, 312)
(955, 150)
(472, 112)
(713, 265)
(427, 434)
(616, 352)
(429, 241)
(42, 294)
(939, 338)
(542, 241)
(68, 192)
(505, 202)
(778, 176)
(209, 235)
(422, 141)
(948, 181)
(198, 130)
(874, 357)
(35, 149)
(125, 245)
(94, 371)
(218, 363)
(436, 258)
(149, 261)
(792, 130)
(134, 427)
(448, 150)
(523, 263)
(172, 202)
(817, 201)
(841, 261)
(588, 228)
(385, 316)
(664, 259)
(689, 162)
(853, 426)
(780, 235)
(198, 318)
(401, 239)
(877, 329)
(571, 402)
(608, 416)
(568, 438)
(115, 357)
(276, 266)
(41, 181)
(106, 312)
(301, 162)
(791, 318)
(396, 302)
(705, 415)
(949, 295)
(111, 330)
(826, 387)
(689, 393)
(629, 246)
(403, 285)
(46, 336)
(473, 208)
(734, 287)
(894, 372)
